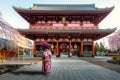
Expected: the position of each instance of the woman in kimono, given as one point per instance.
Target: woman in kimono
(46, 60)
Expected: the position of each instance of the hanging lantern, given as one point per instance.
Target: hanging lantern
(75, 46)
(63, 20)
(52, 46)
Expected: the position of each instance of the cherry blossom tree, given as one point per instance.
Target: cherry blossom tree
(114, 41)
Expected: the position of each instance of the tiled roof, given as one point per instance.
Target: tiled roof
(62, 7)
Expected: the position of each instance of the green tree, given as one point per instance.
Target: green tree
(102, 48)
(97, 47)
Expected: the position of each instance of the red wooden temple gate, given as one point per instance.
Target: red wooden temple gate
(68, 28)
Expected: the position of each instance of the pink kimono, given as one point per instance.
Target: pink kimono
(46, 61)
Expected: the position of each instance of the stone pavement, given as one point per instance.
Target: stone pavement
(102, 61)
(64, 68)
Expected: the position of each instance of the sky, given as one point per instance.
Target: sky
(16, 21)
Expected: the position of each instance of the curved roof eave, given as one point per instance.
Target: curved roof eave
(68, 31)
(27, 10)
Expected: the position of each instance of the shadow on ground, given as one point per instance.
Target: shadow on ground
(28, 72)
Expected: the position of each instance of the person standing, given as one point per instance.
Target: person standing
(46, 60)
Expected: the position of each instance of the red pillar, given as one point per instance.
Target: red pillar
(93, 51)
(70, 49)
(34, 48)
(81, 48)
(57, 52)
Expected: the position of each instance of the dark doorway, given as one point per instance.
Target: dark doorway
(64, 48)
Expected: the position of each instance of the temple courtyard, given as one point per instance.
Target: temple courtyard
(65, 68)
